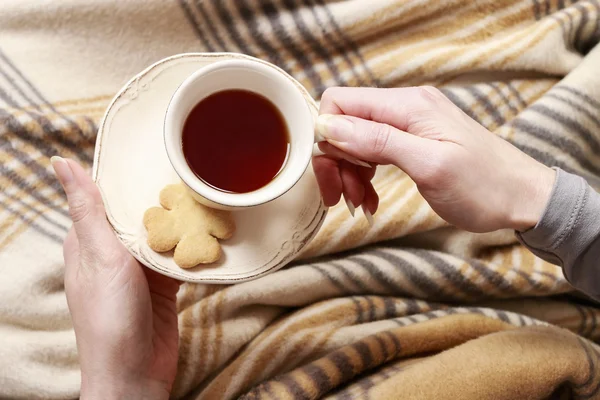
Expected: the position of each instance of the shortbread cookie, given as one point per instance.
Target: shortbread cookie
(187, 226)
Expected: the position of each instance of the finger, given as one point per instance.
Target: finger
(371, 198)
(162, 284)
(334, 152)
(85, 204)
(373, 141)
(352, 186)
(328, 177)
(389, 106)
(367, 173)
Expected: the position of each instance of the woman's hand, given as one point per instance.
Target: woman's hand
(124, 315)
(470, 177)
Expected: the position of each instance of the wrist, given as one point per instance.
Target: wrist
(113, 389)
(530, 197)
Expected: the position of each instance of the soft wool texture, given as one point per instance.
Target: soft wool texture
(434, 313)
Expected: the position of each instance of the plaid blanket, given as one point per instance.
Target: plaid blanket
(411, 308)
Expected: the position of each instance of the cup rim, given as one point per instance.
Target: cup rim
(183, 170)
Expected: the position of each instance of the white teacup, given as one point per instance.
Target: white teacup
(257, 77)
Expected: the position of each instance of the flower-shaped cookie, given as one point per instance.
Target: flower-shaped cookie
(187, 226)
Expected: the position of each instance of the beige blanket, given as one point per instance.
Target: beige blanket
(435, 313)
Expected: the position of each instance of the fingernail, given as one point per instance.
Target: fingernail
(350, 206)
(369, 216)
(334, 127)
(62, 170)
(356, 161)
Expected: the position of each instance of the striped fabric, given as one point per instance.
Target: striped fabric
(411, 308)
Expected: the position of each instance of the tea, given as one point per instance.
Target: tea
(235, 141)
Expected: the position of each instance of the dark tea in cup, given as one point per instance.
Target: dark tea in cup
(236, 141)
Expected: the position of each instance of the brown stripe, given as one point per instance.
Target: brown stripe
(492, 48)
(534, 39)
(591, 366)
(594, 118)
(595, 36)
(396, 343)
(26, 207)
(359, 310)
(365, 354)
(230, 24)
(547, 8)
(29, 190)
(186, 328)
(293, 387)
(319, 377)
(581, 26)
(22, 77)
(41, 119)
(187, 10)
(462, 18)
(44, 177)
(566, 145)
(248, 15)
(566, 26)
(35, 91)
(11, 101)
(348, 272)
(490, 108)
(418, 278)
(272, 14)
(211, 27)
(432, 67)
(7, 240)
(572, 125)
(348, 42)
(583, 323)
(265, 355)
(388, 30)
(449, 273)
(376, 272)
(332, 279)
(382, 347)
(594, 324)
(51, 143)
(205, 326)
(318, 347)
(536, 9)
(340, 49)
(343, 363)
(12, 218)
(583, 96)
(517, 94)
(312, 42)
(28, 222)
(588, 326)
(215, 359)
(504, 97)
(570, 322)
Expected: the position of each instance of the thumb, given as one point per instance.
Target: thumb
(85, 204)
(371, 141)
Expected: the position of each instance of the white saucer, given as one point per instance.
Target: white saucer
(131, 167)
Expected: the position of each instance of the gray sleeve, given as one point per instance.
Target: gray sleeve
(568, 233)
